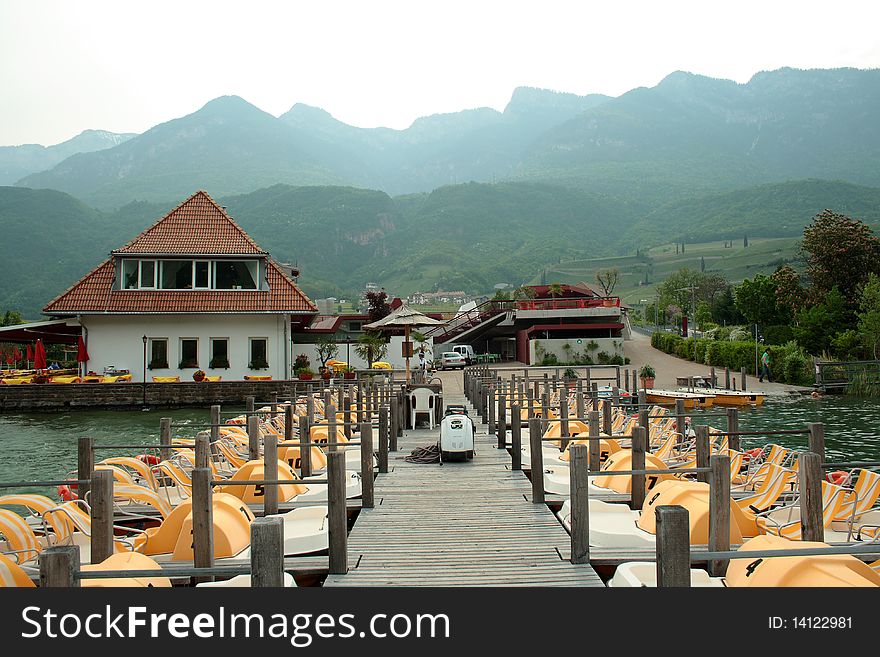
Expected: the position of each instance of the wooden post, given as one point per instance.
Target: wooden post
(703, 451)
(267, 552)
(340, 399)
(714, 381)
(637, 488)
(101, 501)
(332, 433)
(679, 418)
(588, 375)
(626, 379)
(310, 407)
(530, 400)
(515, 438)
(215, 424)
(719, 512)
(579, 483)
(253, 437)
(491, 405)
(742, 373)
(545, 408)
(733, 425)
(579, 406)
(594, 449)
(817, 439)
(288, 423)
(691, 383)
(383, 446)
(202, 451)
(617, 376)
(565, 429)
(202, 522)
(643, 398)
(810, 481)
(395, 419)
(345, 404)
(249, 404)
(401, 412)
(537, 461)
(361, 408)
(336, 512)
(367, 497)
(673, 547)
(502, 420)
(607, 410)
(165, 453)
(727, 378)
(384, 428)
(305, 448)
(270, 474)
(59, 567)
(594, 396)
(85, 455)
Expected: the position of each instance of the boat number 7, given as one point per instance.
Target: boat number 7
(652, 479)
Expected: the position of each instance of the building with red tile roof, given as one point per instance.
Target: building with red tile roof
(193, 291)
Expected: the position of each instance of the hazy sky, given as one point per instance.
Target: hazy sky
(125, 66)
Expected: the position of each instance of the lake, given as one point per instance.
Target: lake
(43, 445)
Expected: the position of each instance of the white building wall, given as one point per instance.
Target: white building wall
(610, 346)
(394, 357)
(117, 340)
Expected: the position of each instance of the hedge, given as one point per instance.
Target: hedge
(788, 363)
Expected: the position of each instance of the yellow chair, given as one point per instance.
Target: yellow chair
(166, 379)
(381, 365)
(12, 575)
(257, 377)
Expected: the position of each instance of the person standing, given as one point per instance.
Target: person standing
(765, 367)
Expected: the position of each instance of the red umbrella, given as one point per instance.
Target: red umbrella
(30, 353)
(82, 355)
(16, 355)
(39, 356)
(9, 359)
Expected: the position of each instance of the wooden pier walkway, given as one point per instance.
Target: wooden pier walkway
(459, 524)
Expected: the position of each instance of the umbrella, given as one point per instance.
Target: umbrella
(82, 354)
(39, 356)
(405, 318)
(16, 355)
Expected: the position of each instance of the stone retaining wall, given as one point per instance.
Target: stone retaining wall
(49, 397)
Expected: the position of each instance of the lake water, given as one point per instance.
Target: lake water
(37, 446)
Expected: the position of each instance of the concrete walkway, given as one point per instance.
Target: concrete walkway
(668, 368)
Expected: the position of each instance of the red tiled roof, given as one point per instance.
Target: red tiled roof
(196, 226)
(94, 293)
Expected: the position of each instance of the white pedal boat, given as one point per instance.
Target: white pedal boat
(244, 581)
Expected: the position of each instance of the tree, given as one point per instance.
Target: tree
(371, 347)
(555, 290)
(790, 294)
(703, 314)
(676, 289)
(501, 295)
(377, 305)
(11, 318)
(724, 310)
(326, 348)
(840, 252)
(869, 315)
(422, 340)
(702, 264)
(756, 300)
(818, 325)
(524, 293)
(608, 278)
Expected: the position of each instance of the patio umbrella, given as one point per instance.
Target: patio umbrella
(30, 356)
(39, 356)
(16, 355)
(405, 318)
(82, 354)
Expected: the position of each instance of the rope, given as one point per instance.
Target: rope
(429, 454)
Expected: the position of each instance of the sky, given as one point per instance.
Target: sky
(125, 66)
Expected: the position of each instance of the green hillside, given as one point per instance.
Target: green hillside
(762, 256)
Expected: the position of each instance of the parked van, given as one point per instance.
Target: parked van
(467, 352)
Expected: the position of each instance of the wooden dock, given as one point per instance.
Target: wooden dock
(459, 524)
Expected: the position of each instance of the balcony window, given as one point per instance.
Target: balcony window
(235, 274)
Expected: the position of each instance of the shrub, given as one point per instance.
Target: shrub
(616, 359)
(550, 359)
(739, 335)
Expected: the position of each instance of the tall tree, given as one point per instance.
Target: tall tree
(840, 252)
(377, 305)
(555, 290)
(608, 278)
(756, 300)
(869, 315)
(790, 294)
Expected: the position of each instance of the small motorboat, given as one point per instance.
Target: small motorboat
(670, 397)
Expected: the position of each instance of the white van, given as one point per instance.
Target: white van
(466, 351)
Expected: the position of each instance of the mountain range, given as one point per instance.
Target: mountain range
(467, 199)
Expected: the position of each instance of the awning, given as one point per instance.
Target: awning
(55, 331)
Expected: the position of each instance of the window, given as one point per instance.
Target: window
(259, 354)
(202, 274)
(177, 274)
(130, 274)
(355, 326)
(235, 274)
(148, 273)
(219, 352)
(158, 353)
(189, 352)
